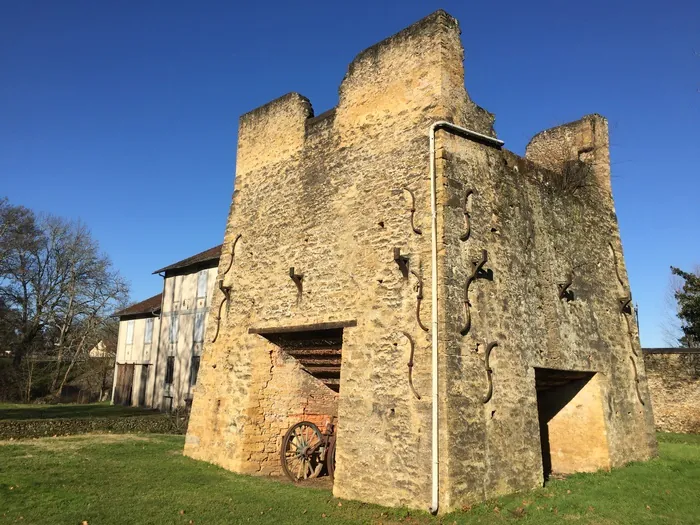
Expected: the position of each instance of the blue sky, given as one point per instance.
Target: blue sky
(124, 114)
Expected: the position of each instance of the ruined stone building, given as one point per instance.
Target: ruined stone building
(161, 338)
(470, 307)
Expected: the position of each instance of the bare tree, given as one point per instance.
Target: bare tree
(60, 286)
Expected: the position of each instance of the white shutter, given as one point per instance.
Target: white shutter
(130, 332)
(174, 322)
(202, 283)
(148, 335)
(199, 327)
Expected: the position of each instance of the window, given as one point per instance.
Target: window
(130, 332)
(199, 327)
(170, 370)
(194, 370)
(174, 322)
(148, 334)
(202, 283)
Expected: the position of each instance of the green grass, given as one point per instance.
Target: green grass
(20, 412)
(105, 479)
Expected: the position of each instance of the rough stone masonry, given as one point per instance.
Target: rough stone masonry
(328, 242)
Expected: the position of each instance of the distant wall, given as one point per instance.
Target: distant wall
(673, 375)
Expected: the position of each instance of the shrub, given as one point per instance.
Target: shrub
(31, 428)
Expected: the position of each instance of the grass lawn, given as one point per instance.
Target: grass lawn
(18, 412)
(139, 479)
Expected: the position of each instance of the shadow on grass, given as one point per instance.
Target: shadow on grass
(70, 411)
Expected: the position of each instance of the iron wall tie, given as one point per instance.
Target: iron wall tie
(226, 290)
(413, 213)
(489, 371)
(467, 217)
(476, 268)
(410, 364)
(636, 380)
(419, 299)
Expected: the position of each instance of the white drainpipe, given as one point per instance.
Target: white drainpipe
(478, 137)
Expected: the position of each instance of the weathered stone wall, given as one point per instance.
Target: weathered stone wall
(674, 384)
(536, 232)
(281, 395)
(328, 196)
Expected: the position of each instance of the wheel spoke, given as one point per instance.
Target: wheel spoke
(303, 451)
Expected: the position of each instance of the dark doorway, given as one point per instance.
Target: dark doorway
(318, 351)
(125, 385)
(143, 385)
(573, 435)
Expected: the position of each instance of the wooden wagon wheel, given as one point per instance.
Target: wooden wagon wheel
(330, 458)
(301, 454)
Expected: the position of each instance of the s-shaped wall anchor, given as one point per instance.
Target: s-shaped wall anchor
(226, 290)
(297, 278)
(419, 299)
(636, 381)
(489, 371)
(477, 271)
(415, 229)
(410, 364)
(467, 216)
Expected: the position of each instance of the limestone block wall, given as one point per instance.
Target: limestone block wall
(327, 196)
(537, 233)
(332, 196)
(674, 384)
(279, 398)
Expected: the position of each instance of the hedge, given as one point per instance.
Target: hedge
(33, 428)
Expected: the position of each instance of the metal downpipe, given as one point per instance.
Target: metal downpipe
(477, 137)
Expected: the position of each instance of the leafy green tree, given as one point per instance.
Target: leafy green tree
(688, 299)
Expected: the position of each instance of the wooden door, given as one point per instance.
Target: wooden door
(142, 385)
(125, 385)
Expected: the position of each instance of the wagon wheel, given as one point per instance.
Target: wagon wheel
(301, 451)
(330, 459)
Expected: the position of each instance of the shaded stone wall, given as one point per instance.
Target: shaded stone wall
(328, 195)
(537, 233)
(674, 384)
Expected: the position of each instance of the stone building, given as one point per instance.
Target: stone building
(396, 230)
(673, 375)
(160, 339)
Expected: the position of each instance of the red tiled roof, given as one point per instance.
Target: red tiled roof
(150, 305)
(211, 254)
